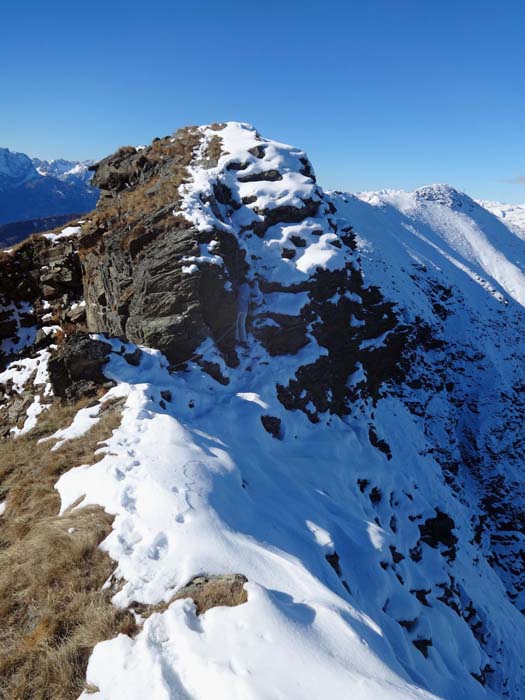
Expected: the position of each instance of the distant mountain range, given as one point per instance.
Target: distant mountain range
(31, 188)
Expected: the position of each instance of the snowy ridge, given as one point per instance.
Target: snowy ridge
(15, 168)
(18, 168)
(64, 169)
(191, 510)
(373, 569)
(512, 215)
(31, 188)
(472, 237)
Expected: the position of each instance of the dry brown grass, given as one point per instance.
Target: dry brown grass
(206, 592)
(151, 201)
(214, 149)
(52, 608)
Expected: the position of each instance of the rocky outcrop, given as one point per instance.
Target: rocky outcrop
(183, 223)
(40, 290)
(134, 253)
(434, 425)
(211, 591)
(75, 370)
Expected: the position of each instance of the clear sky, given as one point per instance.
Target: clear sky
(380, 93)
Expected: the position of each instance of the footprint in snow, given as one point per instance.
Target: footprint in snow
(158, 547)
(128, 500)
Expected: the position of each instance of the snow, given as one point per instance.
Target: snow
(23, 371)
(293, 189)
(64, 169)
(199, 486)
(173, 478)
(24, 335)
(15, 168)
(2, 507)
(66, 232)
(512, 215)
(18, 168)
(321, 254)
(83, 421)
(474, 239)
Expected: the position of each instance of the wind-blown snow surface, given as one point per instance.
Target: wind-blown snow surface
(512, 215)
(201, 487)
(197, 485)
(461, 231)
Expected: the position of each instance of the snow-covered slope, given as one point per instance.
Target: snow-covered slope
(360, 462)
(513, 215)
(462, 231)
(15, 168)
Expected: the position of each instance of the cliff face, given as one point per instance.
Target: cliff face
(358, 463)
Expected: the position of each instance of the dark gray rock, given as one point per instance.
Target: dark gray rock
(134, 257)
(76, 368)
(273, 426)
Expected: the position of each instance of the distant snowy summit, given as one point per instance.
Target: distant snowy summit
(31, 188)
(480, 239)
(18, 168)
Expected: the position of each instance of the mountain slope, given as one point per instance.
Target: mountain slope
(460, 230)
(32, 188)
(359, 462)
(513, 215)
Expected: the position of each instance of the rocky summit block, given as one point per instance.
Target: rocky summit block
(184, 223)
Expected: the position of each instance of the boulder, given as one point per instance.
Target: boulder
(76, 368)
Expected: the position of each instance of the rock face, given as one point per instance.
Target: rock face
(183, 223)
(40, 287)
(134, 253)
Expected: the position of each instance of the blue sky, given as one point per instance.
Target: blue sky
(383, 93)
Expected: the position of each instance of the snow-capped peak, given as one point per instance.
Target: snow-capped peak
(15, 168)
(473, 237)
(63, 169)
(18, 168)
